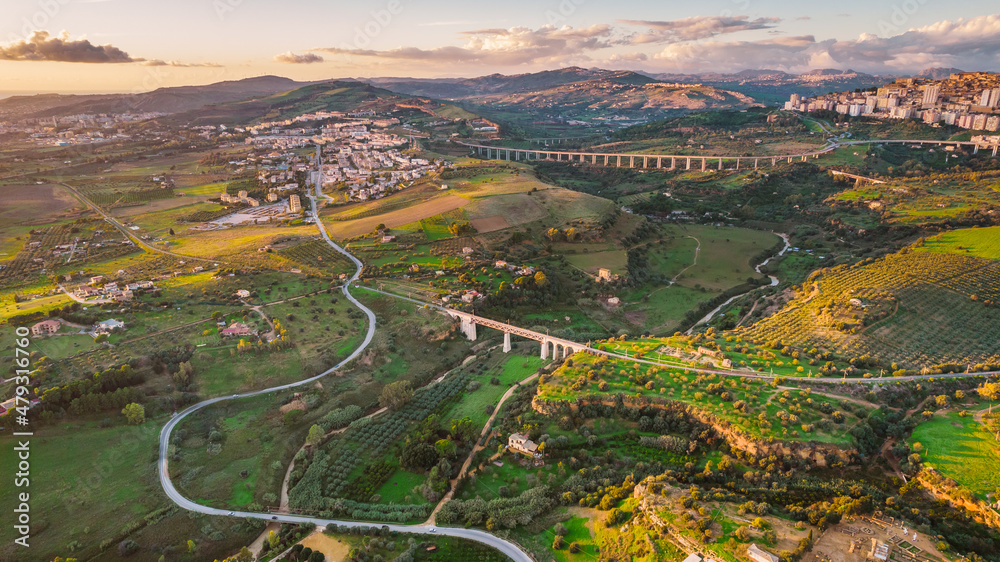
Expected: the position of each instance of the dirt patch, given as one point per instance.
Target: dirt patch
(334, 550)
(516, 209)
(34, 204)
(296, 404)
(489, 224)
(636, 317)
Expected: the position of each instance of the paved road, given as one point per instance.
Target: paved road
(508, 548)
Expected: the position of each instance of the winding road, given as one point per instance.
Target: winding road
(506, 547)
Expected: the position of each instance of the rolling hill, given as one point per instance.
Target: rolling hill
(163, 100)
(330, 96)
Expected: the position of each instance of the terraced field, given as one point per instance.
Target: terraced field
(944, 311)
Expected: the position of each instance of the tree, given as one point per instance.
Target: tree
(559, 543)
(244, 555)
(134, 413)
(273, 539)
(191, 545)
(418, 455)
(463, 429)
(315, 435)
(395, 395)
(171, 232)
(445, 448)
(989, 390)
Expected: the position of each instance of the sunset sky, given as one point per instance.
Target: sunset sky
(140, 45)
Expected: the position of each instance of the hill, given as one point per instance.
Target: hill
(570, 93)
(330, 96)
(163, 100)
(459, 88)
(937, 73)
(772, 85)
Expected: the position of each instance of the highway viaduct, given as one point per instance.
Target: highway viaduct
(684, 161)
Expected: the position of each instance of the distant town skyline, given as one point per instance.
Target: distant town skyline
(118, 46)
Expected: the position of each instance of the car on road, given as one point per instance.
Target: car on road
(232, 513)
(433, 530)
(275, 517)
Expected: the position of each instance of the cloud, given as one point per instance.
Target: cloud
(803, 18)
(158, 62)
(292, 58)
(628, 57)
(971, 43)
(695, 28)
(41, 46)
(966, 43)
(502, 47)
(781, 53)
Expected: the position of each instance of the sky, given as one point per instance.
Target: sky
(80, 46)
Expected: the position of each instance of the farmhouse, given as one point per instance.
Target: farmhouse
(236, 329)
(243, 293)
(45, 327)
(519, 443)
(758, 555)
(109, 325)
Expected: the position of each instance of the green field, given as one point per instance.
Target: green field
(88, 483)
(514, 369)
(960, 448)
(976, 242)
(703, 261)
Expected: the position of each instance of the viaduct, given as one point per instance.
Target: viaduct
(558, 346)
(685, 161)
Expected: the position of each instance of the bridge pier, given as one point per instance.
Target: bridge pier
(774, 161)
(673, 162)
(506, 342)
(469, 328)
(755, 163)
(995, 150)
(689, 164)
(704, 162)
(545, 349)
(720, 163)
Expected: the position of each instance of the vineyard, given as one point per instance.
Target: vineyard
(926, 309)
(318, 255)
(123, 192)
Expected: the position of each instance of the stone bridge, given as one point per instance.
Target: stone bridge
(551, 346)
